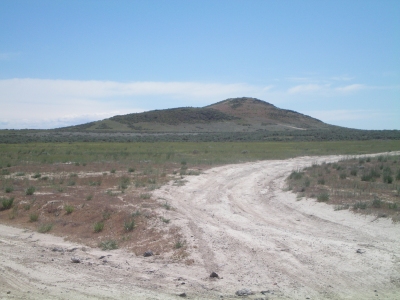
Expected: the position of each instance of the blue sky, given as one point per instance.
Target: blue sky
(69, 62)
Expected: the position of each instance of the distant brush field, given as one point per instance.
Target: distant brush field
(199, 153)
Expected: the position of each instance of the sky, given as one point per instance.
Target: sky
(68, 62)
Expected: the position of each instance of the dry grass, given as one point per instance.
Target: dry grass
(120, 200)
(365, 185)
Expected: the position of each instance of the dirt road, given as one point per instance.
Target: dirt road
(236, 221)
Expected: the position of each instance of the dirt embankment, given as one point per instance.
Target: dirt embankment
(236, 221)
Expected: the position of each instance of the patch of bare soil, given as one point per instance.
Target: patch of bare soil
(234, 220)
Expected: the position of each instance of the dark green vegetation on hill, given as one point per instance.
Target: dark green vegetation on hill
(231, 115)
(238, 119)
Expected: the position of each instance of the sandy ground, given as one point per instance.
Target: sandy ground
(238, 222)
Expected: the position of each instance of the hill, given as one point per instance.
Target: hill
(230, 115)
(234, 119)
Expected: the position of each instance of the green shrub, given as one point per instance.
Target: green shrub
(341, 207)
(7, 203)
(45, 228)
(382, 158)
(166, 221)
(360, 205)
(129, 224)
(145, 196)
(296, 175)
(398, 175)
(33, 217)
(179, 244)
(106, 214)
(8, 189)
(112, 171)
(89, 197)
(387, 175)
(323, 197)
(5, 172)
(321, 181)
(307, 182)
(393, 206)
(131, 170)
(69, 209)
(99, 226)
(167, 206)
(342, 175)
(108, 245)
(30, 190)
(377, 203)
(20, 174)
(387, 178)
(36, 175)
(95, 183)
(124, 183)
(353, 172)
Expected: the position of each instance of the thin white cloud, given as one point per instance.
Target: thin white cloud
(342, 78)
(348, 115)
(307, 88)
(351, 88)
(8, 55)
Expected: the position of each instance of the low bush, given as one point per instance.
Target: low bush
(33, 217)
(167, 206)
(377, 203)
(353, 172)
(296, 175)
(108, 245)
(5, 172)
(8, 189)
(69, 209)
(30, 190)
(179, 244)
(323, 197)
(341, 207)
(45, 228)
(129, 225)
(99, 226)
(360, 205)
(7, 203)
